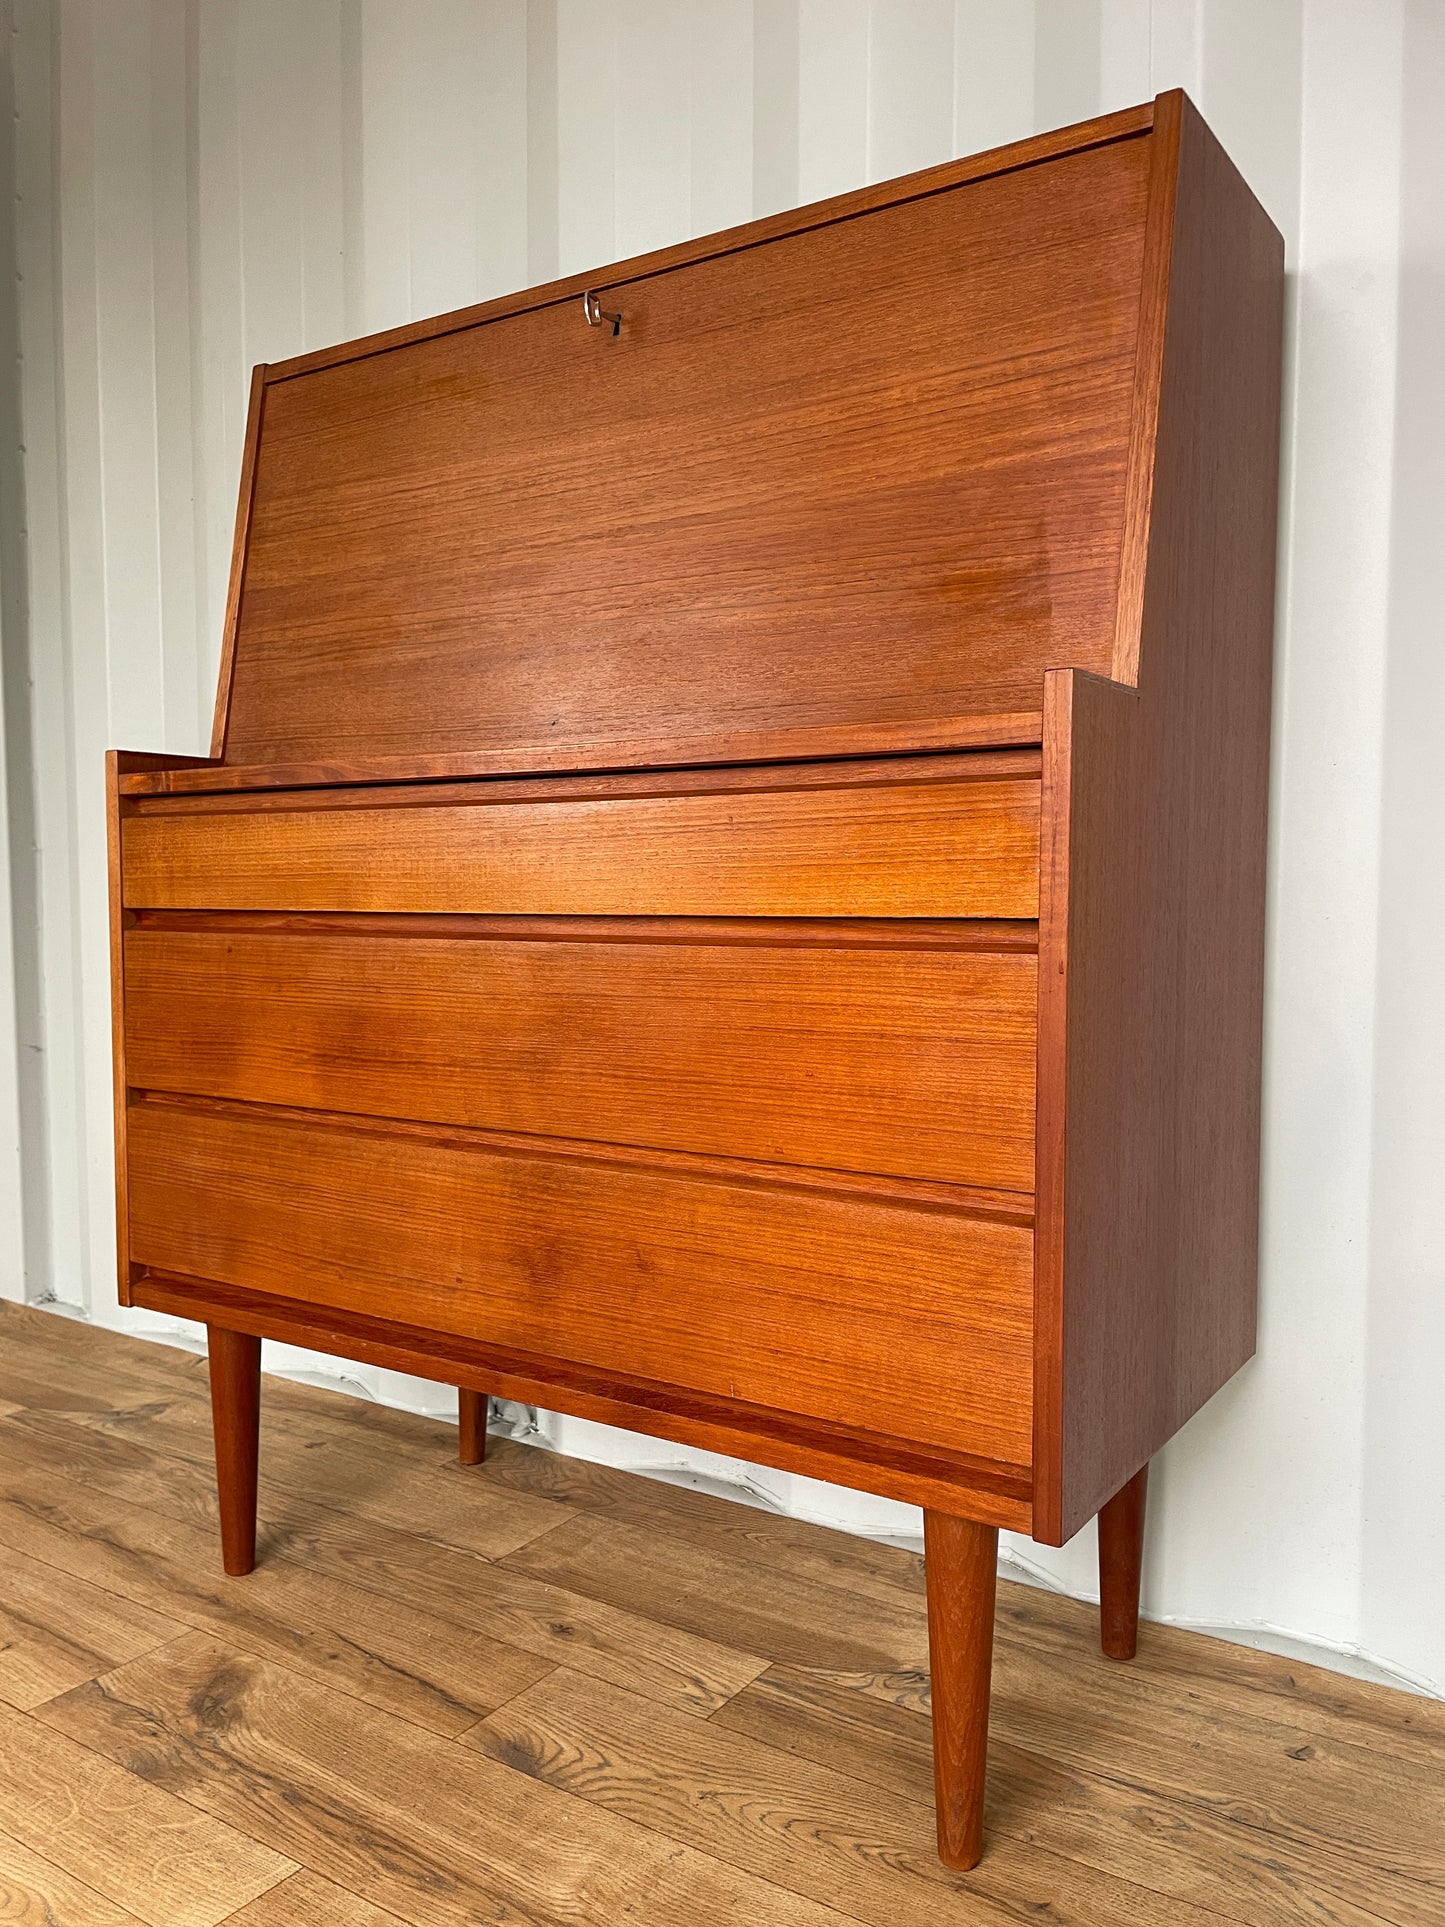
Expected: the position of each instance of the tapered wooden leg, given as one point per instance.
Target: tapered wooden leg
(236, 1418)
(962, 1567)
(1121, 1557)
(472, 1426)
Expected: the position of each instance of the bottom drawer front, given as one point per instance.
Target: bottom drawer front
(824, 1304)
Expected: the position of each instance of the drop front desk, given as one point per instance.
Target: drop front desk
(727, 896)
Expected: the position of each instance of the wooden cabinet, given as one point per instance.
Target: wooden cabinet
(727, 896)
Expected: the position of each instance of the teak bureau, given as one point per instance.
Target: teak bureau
(727, 896)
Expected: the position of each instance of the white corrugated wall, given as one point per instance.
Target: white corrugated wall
(197, 185)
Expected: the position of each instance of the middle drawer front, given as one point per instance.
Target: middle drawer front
(906, 1050)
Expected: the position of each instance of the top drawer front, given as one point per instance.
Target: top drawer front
(793, 844)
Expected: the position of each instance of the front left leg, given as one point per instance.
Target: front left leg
(235, 1368)
(961, 1563)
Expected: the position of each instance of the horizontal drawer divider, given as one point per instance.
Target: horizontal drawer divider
(917, 1194)
(1014, 935)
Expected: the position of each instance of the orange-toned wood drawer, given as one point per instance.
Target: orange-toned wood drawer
(902, 1048)
(787, 1296)
(915, 837)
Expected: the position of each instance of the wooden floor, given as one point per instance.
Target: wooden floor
(541, 1691)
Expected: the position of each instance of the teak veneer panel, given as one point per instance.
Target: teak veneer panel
(801, 1047)
(774, 1295)
(913, 846)
(894, 451)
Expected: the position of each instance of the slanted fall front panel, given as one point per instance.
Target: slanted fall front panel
(873, 471)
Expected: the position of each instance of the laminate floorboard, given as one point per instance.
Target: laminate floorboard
(306, 1901)
(34, 1892)
(56, 1631)
(546, 1692)
(391, 1810)
(432, 1671)
(715, 1524)
(421, 1581)
(134, 1842)
(1116, 1823)
(710, 1592)
(809, 1827)
(310, 1446)
(1241, 1678)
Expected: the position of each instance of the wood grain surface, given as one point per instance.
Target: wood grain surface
(239, 549)
(897, 456)
(308, 1901)
(56, 1631)
(793, 1044)
(34, 1892)
(471, 1019)
(912, 846)
(877, 1462)
(428, 1669)
(1121, 1560)
(234, 1773)
(472, 1411)
(199, 775)
(1127, 123)
(385, 1808)
(235, 1371)
(120, 1090)
(136, 1843)
(772, 1294)
(961, 1560)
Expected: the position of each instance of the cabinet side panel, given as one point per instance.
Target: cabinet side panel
(1163, 875)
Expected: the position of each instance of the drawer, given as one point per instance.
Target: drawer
(897, 1048)
(950, 836)
(819, 1300)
